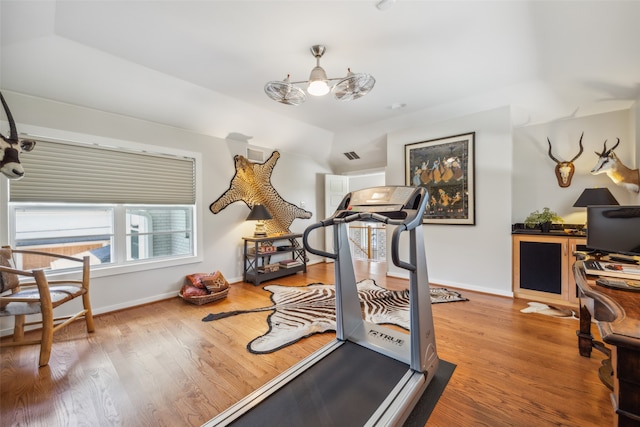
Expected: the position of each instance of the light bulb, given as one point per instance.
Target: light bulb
(318, 82)
(318, 88)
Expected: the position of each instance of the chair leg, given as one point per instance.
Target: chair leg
(18, 328)
(45, 346)
(47, 335)
(88, 316)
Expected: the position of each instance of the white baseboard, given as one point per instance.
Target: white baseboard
(134, 303)
(102, 310)
(465, 286)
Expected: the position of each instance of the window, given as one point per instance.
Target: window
(152, 232)
(158, 232)
(63, 229)
(118, 206)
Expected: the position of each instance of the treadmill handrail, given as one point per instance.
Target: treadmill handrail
(357, 216)
(395, 252)
(406, 224)
(305, 239)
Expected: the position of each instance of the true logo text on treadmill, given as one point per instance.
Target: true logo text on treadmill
(388, 338)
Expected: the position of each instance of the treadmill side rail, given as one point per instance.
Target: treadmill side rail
(252, 400)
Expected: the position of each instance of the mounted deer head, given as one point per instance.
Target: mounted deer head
(609, 163)
(10, 148)
(565, 170)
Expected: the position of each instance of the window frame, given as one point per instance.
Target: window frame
(7, 227)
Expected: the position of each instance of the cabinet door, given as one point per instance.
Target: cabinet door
(540, 266)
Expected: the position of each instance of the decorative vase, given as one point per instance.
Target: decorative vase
(545, 227)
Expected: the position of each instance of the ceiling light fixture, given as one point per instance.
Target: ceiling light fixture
(348, 88)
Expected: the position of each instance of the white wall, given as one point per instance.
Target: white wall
(221, 233)
(534, 181)
(469, 257)
(358, 182)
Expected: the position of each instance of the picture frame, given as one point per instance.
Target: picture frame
(446, 167)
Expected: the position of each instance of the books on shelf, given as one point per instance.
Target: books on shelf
(269, 268)
(262, 250)
(289, 263)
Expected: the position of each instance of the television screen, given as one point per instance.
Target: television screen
(614, 229)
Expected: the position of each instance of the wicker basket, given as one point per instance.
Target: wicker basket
(205, 299)
(215, 283)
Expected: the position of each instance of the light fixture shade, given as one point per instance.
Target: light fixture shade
(595, 196)
(318, 82)
(259, 212)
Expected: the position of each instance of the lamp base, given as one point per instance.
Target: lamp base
(260, 230)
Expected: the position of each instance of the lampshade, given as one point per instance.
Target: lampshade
(318, 82)
(349, 88)
(595, 196)
(259, 212)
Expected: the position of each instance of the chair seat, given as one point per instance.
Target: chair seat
(59, 295)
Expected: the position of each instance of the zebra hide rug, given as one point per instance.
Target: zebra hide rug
(301, 311)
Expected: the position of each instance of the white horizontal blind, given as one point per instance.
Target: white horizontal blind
(69, 173)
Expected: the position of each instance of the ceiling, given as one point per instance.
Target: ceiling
(202, 65)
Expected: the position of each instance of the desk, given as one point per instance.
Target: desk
(617, 313)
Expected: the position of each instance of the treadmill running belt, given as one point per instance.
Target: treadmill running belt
(343, 389)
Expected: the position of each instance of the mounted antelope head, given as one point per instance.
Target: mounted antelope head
(565, 170)
(609, 163)
(10, 148)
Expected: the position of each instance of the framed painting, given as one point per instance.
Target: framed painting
(445, 166)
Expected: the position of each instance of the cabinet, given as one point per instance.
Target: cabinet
(542, 267)
(262, 257)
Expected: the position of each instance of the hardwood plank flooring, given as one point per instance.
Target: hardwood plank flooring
(160, 365)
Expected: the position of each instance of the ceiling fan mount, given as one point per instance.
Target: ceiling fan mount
(317, 50)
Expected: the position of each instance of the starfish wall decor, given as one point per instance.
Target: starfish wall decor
(252, 185)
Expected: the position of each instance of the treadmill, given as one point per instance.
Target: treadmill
(370, 375)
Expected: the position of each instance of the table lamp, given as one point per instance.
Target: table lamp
(259, 213)
(593, 197)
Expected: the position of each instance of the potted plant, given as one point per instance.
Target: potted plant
(542, 219)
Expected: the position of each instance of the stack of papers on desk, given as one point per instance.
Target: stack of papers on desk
(612, 269)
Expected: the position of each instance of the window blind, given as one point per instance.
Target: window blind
(70, 173)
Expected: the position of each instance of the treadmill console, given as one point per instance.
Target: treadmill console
(389, 201)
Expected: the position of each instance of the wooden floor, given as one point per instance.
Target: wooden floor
(160, 365)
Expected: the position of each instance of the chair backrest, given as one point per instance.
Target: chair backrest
(8, 281)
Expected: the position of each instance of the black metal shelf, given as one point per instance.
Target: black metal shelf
(256, 260)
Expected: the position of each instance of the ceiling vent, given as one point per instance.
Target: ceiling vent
(255, 156)
(351, 155)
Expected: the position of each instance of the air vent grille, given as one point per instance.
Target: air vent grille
(351, 155)
(255, 156)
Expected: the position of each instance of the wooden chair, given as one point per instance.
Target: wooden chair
(40, 296)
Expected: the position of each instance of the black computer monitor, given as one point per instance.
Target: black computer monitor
(614, 229)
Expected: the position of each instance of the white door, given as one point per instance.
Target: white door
(335, 188)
